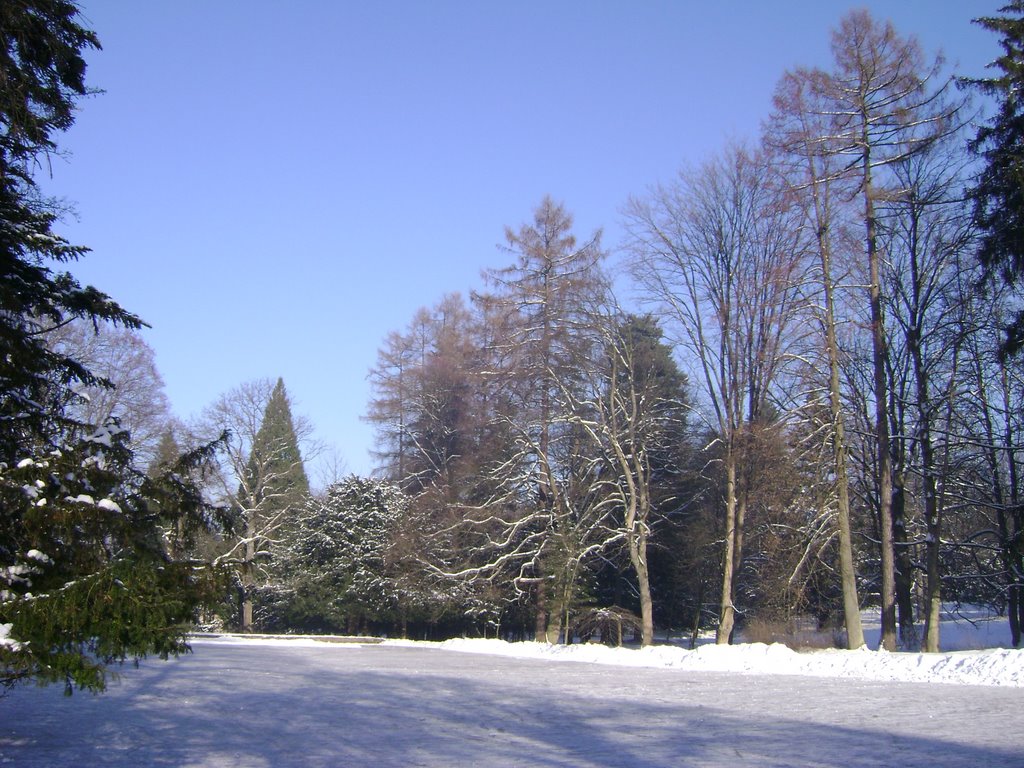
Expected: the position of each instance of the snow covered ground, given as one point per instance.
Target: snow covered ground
(979, 655)
(302, 702)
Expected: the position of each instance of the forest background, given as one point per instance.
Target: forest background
(785, 397)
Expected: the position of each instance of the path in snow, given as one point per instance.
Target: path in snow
(277, 705)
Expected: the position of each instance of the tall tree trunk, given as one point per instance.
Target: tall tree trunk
(932, 508)
(847, 570)
(248, 578)
(881, 392)
(726, 610)
(933, 586)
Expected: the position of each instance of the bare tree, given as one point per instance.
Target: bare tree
(928, 232)
(425, 404)
(990, 414)
(879, 92)
(635, 410)
(874, 109)
(799, 132)
(136, 396)
(718, 255)
(540, 341)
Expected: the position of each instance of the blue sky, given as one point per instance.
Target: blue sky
(275, 186)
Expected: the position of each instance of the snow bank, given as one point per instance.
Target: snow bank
(990, 667)
(290, 641)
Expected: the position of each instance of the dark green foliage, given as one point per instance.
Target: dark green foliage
(340, 577)
(277, 478)
(999, 192)
(85, 578)
(41, 74)
(656, 378)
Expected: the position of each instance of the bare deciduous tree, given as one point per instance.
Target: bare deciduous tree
(719, 255)
(122, 357)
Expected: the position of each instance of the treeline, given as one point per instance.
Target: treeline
(810, 405)
(807, 410)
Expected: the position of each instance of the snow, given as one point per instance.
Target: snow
(272, 702)
(266, 701)
(990, 667)
(109, 505)
(105, 435)
(981, 665)
(6, 641)
(35, 554)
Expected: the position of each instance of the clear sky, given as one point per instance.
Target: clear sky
(274, 186)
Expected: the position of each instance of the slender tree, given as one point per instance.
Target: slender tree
(885, 109)
(635, 418)
(538, 342)
(799, 133)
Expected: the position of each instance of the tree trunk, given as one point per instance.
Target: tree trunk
(847, 570)
(540, 627)
(932, 514)
(908, 639)
(248, 581)
(881, 392)
(726, 616)
(933, 587)
(638, 556)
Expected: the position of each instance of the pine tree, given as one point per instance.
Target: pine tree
(85, 579)
(999, 193)
(167, 452)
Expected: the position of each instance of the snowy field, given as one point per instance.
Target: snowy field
(300, 702)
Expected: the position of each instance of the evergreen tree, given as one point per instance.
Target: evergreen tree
(999, 192)
(85, 578)
(167, 452)
(271, 489)
(341, 577)
(277, 477)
